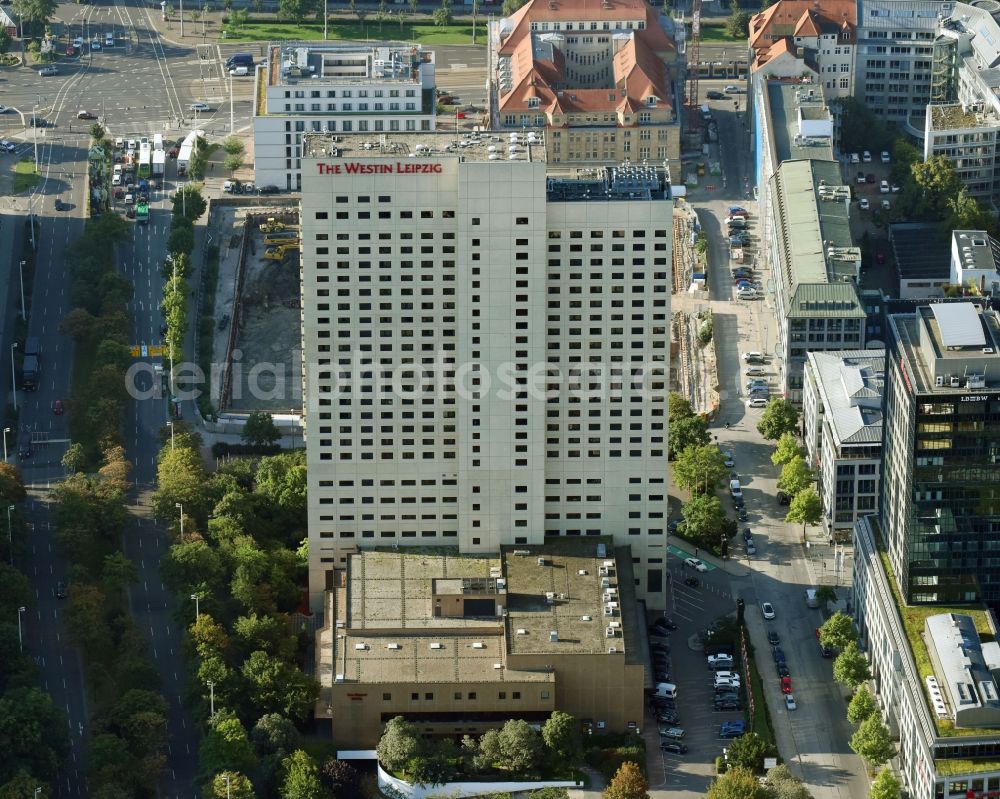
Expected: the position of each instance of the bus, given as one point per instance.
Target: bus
(145, 166)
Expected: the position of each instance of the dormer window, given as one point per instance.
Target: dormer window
(651, 101)
(532, 102)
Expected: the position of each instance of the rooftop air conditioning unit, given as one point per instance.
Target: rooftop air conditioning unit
(478, 645)
(612, 650)
(339, 678)
(582, 573)
(436, 645)
(541, 561)
(585, 618)
(939, 381)
(498, 665)
(987, 350)
(392, 646)
(522, 552)
(550, 597)
(361, 646)
(955, 381)
(554, 636)
(521, 631)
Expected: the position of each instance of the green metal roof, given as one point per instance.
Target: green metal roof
(825, 300)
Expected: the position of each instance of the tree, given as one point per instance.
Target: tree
(33, 734)
(872, 743)
(208, 637)
(784, 785)
(704, 518)
(520, 746)
(260, 429)
(738, 21)
(786, 449)
(795, 476)
(96, 131)
(737, 783)
(226, 747)
(837, 631)
(628, 783)
(749, 752)
(341, 778)
(510, 6)
(237, 786)
(232, 163)
(301, 780)
(434, 764)
(937, 183)
(701, 467)
(806, 507)
(279, 687)
(34, 10)
(862, 706)
(485, 753)
(442, 14)
(825, 594)
(679, 407)
(398, 745)
(561, 734)
(860, 129)
(851, 668)
(686, 431)
(967, 213)
(233, 145)
(274, 734)
(779, 417)
(238, 19)
(885, 785)
(181, 239)
(295, 10)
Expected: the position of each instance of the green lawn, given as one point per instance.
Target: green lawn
(423, 32)
(716, 32)
(25, 176)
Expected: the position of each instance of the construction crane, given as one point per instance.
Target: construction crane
(693, 54)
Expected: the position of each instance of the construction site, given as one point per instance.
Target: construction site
(257, 336)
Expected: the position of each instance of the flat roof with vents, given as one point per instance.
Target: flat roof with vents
(960, 325)
(967, 684)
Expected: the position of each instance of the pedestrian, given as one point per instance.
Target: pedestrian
(696, 551)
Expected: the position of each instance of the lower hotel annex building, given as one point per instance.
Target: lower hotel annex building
(486, 341)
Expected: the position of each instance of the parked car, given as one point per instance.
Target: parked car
(269, 189)
(885, 157)
(732, 729)
(727, 454)
(883, 187)
(786, 685)
(746, 293)
(46, 72)
(675, 747)
(870, 178)
(727, 675)
(863, 204)
(757, 402)
(861, 178)
(790, 702)
(782, 669)
(778, 654)
(866, 157)
(783, 498)
(720, 661)
(666, 623)
(773, 638)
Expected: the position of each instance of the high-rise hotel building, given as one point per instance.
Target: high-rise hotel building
(486, 348)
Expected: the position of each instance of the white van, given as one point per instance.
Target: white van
(666, 690)
(239, 72)
(811, 600)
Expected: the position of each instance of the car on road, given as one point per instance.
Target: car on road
(782, 669)
(674, 747)
(691, 582)
(767, 609)
(757, 402)
(694, 563)
(786, 685)
(61, 590)
(741, 514)
(673, 525)
(129, 199)
(773, 638)
(85, 115)
(46, 72)
(728, 461)
(778, 654)
(863, 204)
(714, 95)
(790, 702)
(199, 106)
(38, 122)
(733, 89)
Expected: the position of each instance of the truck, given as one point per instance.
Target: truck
(187, 149)
(145, 168)
(159, 162)
(272, 225)
(30, 369)
(278, 253)
(142, 213)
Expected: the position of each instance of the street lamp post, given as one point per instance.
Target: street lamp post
(37, 791)
(6, 430)
(34, 127)
(20, 271)
(326, 15)
(13, 374)
(10, 535)
(20, 637)
(181, 507)
(197, 611)
(211, 698)
(171, 426)
(228, 787)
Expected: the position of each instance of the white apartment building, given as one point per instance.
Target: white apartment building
(842, 420)
(470, 320)
(895, 50)
(315, 87)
